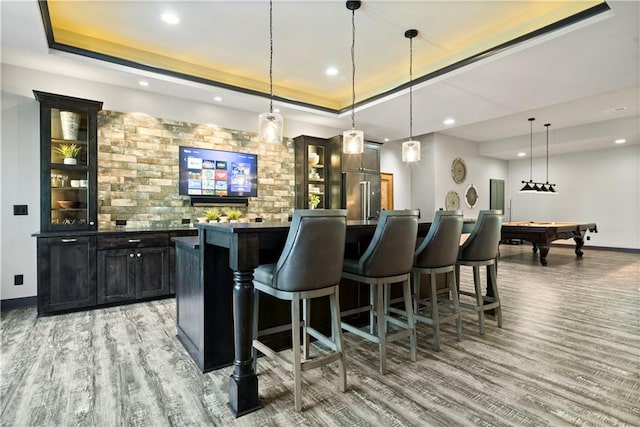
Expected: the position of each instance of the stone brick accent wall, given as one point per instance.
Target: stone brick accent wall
(138, 169)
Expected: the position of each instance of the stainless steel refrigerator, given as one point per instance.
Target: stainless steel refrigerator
(361, 194)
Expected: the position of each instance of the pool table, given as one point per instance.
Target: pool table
(541, 234)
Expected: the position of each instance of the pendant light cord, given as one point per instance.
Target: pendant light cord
(271, 56)
(353, 68)
(531, 149)
(547, 126)
(411, 88)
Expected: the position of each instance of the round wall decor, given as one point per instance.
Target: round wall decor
(452, 201)
(471, 196)
(458, 170)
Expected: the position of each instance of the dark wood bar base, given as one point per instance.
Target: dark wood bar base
(215, 302)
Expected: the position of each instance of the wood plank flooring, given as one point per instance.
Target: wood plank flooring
(568, 355)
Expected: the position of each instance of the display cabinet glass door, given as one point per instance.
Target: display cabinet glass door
(317, 176)
(69, 171)
(68, 146)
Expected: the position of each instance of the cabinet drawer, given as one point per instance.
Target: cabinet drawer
(133, 240)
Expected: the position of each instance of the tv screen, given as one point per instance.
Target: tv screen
(206, 172)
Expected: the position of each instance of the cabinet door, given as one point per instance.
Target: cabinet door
(152, 272)
(66, 273)
(116, 275)
(68, 163)
(368, 161)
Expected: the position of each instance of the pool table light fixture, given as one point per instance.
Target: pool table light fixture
(537, 187)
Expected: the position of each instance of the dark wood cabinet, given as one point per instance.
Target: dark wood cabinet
(68, 183)
(66, 273)
(133, 266)
(129, 274)
(91, 269)
(368, 161)
(317, 172)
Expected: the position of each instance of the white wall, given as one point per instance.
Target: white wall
(20, 177)
(413, 182)
(480, 170)
(600, 186)
(425, 184)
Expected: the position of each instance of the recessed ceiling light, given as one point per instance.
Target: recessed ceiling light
(217, 98)
(620, 141)
(143, 83)
(170, 18)
(386, 140)
(522, 154)
(449, 121)
(332, 71)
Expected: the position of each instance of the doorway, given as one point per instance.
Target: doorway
(496, 195)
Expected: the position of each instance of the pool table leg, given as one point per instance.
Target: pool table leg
(579, 244)
(544, 250)
(535, 247)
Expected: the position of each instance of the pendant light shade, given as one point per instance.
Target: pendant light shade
(353, 140)
(411, 151)
(270, 125)
(530, 186)
(411, 148)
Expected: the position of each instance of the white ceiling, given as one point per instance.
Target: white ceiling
(571, 78)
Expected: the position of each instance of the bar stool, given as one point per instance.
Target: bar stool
(481, 249)
(387, 260)
(309, 267)
(437, 254)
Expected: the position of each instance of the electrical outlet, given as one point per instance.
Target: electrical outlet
(588, 237)
(20, 210)
(18, 280)
(121, 222)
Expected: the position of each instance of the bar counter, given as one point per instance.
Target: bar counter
(214, 295)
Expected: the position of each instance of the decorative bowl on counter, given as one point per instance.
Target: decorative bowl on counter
(68, 204)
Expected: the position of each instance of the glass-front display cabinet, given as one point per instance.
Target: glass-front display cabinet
(68, 162)
(317, 173)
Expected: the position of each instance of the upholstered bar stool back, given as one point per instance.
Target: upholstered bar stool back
(481, 249)
(387, 260)
(437, 254)
(309, 267)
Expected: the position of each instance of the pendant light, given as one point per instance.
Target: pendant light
(353, 140)
(411, 148)
(530, 186)
(546, 187)
(270, 125)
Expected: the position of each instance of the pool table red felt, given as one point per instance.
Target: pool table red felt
(542, 233)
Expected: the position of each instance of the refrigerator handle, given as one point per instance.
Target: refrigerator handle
(365, 199)
(343, 191)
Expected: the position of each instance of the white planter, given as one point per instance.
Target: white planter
(69, 122)
(70, 161)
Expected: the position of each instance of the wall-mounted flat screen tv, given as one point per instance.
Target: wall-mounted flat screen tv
(206, 172)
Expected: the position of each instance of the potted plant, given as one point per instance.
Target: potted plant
(212, 215)
(69, 152)
(234, 215)
(314, 200)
